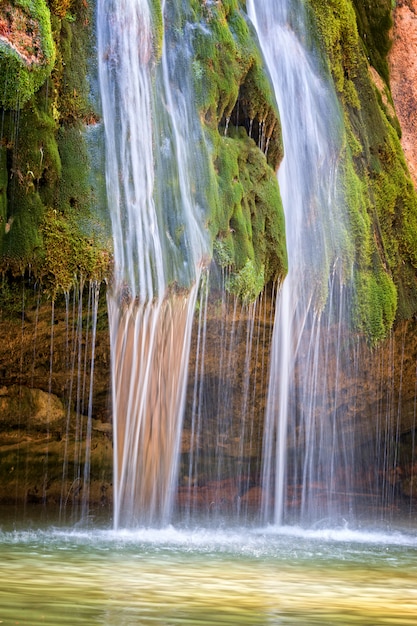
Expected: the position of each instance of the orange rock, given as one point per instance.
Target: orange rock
(403, 70)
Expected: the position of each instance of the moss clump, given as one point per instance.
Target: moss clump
(248, 282)
(375, 303)
(69, 256)
(249, 224)
(336, 24)
(27, 51)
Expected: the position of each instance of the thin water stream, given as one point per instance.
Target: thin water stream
(312, 310)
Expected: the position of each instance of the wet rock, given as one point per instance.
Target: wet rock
(22, 407)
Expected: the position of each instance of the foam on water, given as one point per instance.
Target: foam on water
(281, 542)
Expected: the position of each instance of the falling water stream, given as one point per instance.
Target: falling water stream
(159, 247)
(311, 309)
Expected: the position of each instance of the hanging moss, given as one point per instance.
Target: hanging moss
(68, 255)
(250, 224)
(375, 303)
(248, 282)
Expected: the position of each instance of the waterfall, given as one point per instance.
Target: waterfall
(154, 183)
(306, 459)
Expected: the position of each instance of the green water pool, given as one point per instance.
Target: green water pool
(238, 576)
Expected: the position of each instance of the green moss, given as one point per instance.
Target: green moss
(249, 224)
(76, 48)
(23, 241)
(157, 27)
(50, 197)
(242, 125)
(381, 200)
(25, 65)
(336, 24)
(69, 255)
(248, 282)
(375, 304)
(374, 21)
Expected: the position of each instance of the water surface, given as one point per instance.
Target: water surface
(239, 576)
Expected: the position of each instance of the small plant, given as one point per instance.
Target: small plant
(248, 283)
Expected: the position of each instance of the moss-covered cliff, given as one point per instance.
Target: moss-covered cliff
(48, 204)
(48, 227)
(380, 196)
(241, 122)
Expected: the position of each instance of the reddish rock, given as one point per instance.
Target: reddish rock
(403, 69)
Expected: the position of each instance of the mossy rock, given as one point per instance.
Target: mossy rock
(241, 120)
(27, 51)
(381, 200)
(50, 198)
(35, 409)
(250, 227)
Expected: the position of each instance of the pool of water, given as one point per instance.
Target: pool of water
(172, 576)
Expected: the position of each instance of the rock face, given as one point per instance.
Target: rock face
(403, 68)
(45, 366)
(43, 406)
(43, 414)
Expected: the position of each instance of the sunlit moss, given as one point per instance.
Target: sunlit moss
(68, 254)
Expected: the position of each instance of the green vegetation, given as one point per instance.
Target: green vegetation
(46, 196)
(47, 202)
(242, 126)
(380, 197)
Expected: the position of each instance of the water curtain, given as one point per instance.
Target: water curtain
(306, 458)
(152, 177)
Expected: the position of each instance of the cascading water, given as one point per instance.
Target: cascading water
(306, 464)
(159, 247)
(156, 186)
